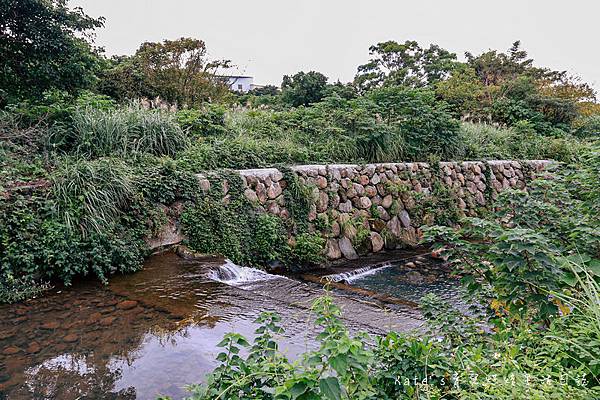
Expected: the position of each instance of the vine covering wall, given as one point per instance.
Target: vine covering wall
(338, 211)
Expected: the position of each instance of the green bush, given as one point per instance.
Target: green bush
(35, 244)
(308, 250)
(209, 121)
(426, 124)
(92, 195)
(215, 224)
(505, 364)
(159, 180)
(241, 152)
(521, 253)
(588, 127)
(270, 241)
(482, 141)
(14, 290)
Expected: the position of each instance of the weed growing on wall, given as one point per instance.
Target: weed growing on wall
(225, 222)
(298, 200)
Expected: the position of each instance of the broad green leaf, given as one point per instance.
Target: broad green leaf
(330, 388)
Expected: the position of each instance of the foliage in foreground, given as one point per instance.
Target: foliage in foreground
(512, 361)
(533, 263)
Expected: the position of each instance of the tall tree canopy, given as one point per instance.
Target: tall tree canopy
(179, 71)
(508, 88)
(303, 88)
(404, 64)
(45, 45)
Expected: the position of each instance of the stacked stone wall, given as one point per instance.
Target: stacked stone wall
(369, 208)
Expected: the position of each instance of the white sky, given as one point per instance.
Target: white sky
(270, 38)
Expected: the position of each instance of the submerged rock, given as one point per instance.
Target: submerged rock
(414, 277)
(10, 350)
(33, 347)
(127, 304)
(50, 325)
(70, 338)
(107, 321)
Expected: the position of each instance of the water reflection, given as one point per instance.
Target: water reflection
(154, 331)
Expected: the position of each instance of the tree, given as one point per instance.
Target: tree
(45, 45)
(178, 71)
(494, 68)
(507, 88)
(424, 121)
(464, 92)
(344, 90)
(406, 64)
(303, 88)
(268, 90)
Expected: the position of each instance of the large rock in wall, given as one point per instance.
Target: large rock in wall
(382, 204)
(384, 198)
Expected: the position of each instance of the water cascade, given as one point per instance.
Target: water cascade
(233, 274)
(351, 276)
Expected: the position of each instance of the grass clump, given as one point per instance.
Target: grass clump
(124, 131)
(91, 195)
(483, 141)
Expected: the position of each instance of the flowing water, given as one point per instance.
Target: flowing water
(154, 331)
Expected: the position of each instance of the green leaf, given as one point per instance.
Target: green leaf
(330, 388)
(594, 267)
(569, 278)
(339, 363)
(298, 389)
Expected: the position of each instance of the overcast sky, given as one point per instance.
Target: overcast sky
(269, 38)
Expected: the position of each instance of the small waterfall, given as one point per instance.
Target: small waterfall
(233, 274)
(356, 274)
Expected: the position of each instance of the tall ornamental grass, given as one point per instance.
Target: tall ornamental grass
(91, 195)
(121, 132)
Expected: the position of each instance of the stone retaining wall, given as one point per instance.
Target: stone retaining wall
(382, 202)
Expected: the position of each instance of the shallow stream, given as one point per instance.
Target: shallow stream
(154, 331)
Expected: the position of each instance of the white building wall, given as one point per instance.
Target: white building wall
(240, 84)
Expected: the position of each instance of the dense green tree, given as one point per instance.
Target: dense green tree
(494, 68)
(177, 71)
(344, 90)
(303, 88)
(406, 64)
(508, 88)
(425, 122)
(465, 93)
(267, 90)
(45, 45)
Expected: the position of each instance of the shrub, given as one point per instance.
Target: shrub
(14, 290)
(241, 152)
(482, 141)
(588, 127)
(156, 133)
(270, 240)
(209, 121)
(159, 180)
(308, 250)
(37, 245)
(425, 123)
(502, 364)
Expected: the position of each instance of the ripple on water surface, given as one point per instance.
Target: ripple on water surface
(155, 331)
